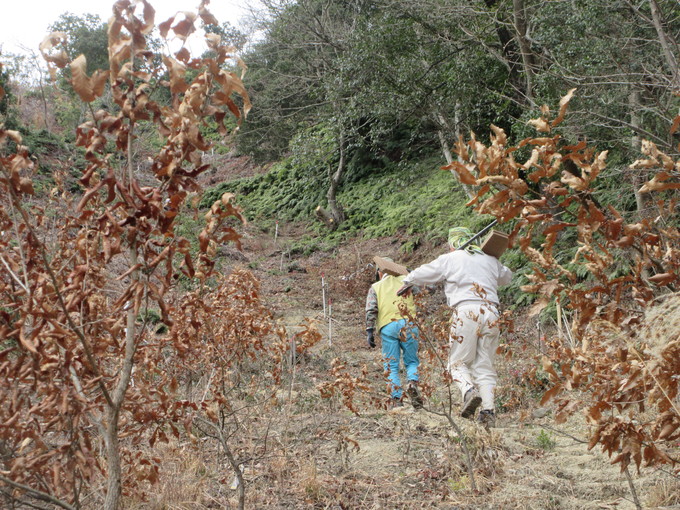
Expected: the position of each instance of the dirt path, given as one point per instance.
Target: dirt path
(406, 459)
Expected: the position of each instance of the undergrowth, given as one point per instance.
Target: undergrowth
(416, 198)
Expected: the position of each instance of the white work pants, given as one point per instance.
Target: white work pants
(473, 341)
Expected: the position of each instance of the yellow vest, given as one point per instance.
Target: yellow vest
(388, 301)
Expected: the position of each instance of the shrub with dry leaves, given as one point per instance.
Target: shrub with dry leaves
(628, 388)
(79, 369)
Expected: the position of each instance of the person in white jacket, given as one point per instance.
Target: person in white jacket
(471, 281)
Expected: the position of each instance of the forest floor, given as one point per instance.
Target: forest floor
(319, 454)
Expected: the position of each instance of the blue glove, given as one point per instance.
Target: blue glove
(370, 338)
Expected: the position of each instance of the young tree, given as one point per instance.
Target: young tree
(70, 329)
(617, 269)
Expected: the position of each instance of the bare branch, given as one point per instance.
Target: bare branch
(42, 496)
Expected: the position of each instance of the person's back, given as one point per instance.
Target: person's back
(471, 281)
(389, 304)
(466, 272)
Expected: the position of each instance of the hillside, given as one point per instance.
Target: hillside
(186, 245)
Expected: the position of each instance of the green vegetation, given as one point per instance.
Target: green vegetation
(418, 199)
(545, 440)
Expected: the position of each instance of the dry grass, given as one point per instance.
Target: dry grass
(664, 492)
(299, 454)
(186, 482)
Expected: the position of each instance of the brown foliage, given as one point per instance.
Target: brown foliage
(70, 327)
(604, 355)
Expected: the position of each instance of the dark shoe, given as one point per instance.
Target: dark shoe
(471, 402)
(414, 396)
(487, 418)
(396, 402)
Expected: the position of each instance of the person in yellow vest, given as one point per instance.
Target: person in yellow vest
(399, 337)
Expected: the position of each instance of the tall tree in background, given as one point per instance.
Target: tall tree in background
(296, 75)
(621, 56)
(394, 77)
(87, 35)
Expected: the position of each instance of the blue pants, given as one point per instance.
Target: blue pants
(393, 345)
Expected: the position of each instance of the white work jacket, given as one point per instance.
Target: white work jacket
(462, 272)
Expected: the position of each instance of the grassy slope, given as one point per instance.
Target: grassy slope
(417, 199)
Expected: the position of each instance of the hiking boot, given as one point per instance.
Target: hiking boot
(471, 402)
(487, 418)
(414, 395)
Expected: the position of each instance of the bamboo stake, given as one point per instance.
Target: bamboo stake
(330, 326)
(293, 353)
(559, 320)
(276, 232)
(323, 294)
(207, 386)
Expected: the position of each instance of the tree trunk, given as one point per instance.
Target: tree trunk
(335, 214)
(520, 23)
(639, 177)
(114, 485)
(113, 471)
(442, 133)
(665, 43)
(326, 217)
(237, 471)
(335, 208)
(510, 53)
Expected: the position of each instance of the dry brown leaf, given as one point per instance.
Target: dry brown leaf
(213, 41)
(564, 103)
(88, 89)
(149, 15)
(177, 71)
(500, 137)
(205, 14)
(538, 306)
(574, 181)
(541, 125)
(464, 174)
(183, 55)
(551, 393)
(48, 46)
(26, 186)
(13, 135)
(184, 28)
(662, 279)
(164, 27)
(535, 154)
(658, 183)
(667, 430)
(676, 124)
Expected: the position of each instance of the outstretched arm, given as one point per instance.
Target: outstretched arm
(505, 275)
(427, 274)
